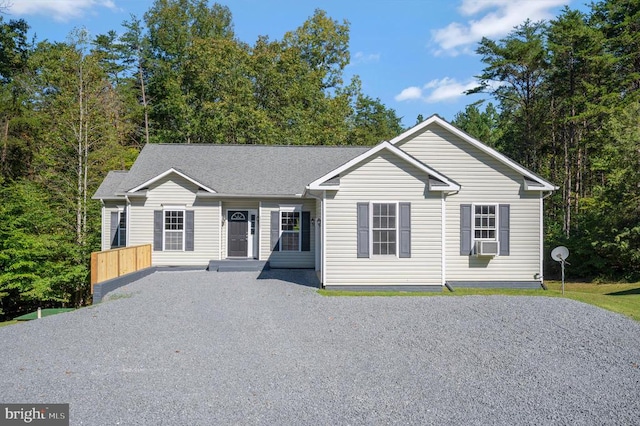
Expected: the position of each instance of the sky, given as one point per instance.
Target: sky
(416, 56)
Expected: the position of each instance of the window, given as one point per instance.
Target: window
(119, 229)
(290, 227)
(485, 222)
(122, 229)
(384, 228)
(174, 230)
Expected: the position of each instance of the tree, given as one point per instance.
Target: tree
(35, 266)
(578, 105)
(14, 54)
(619, 22)
(134, 49)
(515, 74)
(81, 110)
(323, 44)
(482, 125)
(176, 28)
(371, 122)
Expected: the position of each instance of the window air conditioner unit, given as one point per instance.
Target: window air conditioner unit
(486, 248)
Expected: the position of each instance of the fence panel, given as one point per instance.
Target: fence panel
(109, 264)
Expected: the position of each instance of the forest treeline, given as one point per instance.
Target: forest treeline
(566, 106)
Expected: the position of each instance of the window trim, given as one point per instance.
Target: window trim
(289, 208)
(496, 226)
(371, 229)
(164, 224)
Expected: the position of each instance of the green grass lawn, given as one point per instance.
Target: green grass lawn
(621, 298)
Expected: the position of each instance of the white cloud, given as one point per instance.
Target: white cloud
(363, 58)
(493, 19)
(439, 90)
(447, 89)
(59, 10)
(409, 93)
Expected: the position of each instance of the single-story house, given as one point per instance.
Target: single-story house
(432, 207)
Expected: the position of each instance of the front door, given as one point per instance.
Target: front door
(238, 232)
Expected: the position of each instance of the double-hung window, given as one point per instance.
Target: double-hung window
(485, 223)
(174, 230)
(384, 228)
(290, 225)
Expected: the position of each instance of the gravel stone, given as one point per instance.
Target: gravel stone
(202, 348)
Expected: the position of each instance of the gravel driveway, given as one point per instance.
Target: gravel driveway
(202, 348)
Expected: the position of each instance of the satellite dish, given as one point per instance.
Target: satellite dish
(560, 253)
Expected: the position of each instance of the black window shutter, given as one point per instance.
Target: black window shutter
(306, 231)
(363, 230)
(158, 224)
(115, 221)
(189, 228)
(275, 231)
(503, 238)
(405, 230)
(465, 229)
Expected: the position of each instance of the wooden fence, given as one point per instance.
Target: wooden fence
(109, 264)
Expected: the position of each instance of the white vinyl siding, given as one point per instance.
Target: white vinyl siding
(174, 190)
(483, 180)
(285, 259)
(383, 177)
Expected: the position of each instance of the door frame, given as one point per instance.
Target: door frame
(252, 243)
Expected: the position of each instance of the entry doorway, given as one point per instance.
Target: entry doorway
(242, 233)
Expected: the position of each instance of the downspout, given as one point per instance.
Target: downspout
(443, 240)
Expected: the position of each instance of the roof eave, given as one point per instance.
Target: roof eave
(442, 188)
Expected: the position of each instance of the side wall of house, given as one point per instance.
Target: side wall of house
(286, 259)
(483, 180)
(383, 178)
(174, 190)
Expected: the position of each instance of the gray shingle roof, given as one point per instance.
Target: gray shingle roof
(234, 169)
(110, 184)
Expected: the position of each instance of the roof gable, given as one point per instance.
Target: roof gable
(168, 172)
(537, 182)
(330, 180)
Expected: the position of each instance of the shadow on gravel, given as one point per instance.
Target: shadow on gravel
(305, 277)
(625, 292)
